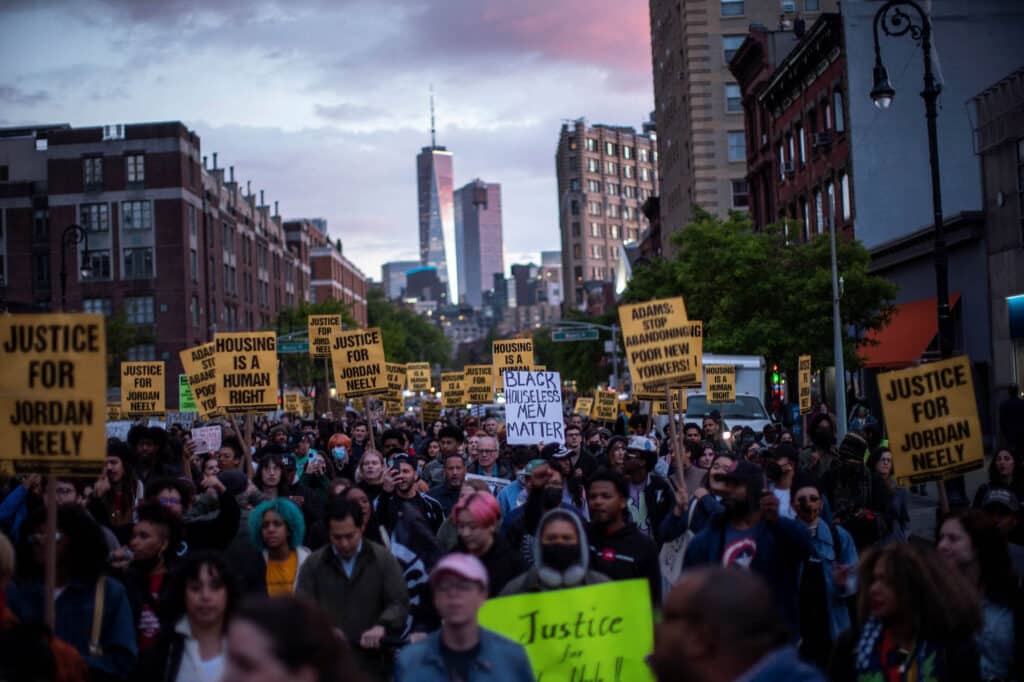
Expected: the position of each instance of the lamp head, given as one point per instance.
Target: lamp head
(882, 93)
(86, 267)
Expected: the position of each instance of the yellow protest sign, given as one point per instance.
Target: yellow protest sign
(583, 406)
(662, 346)
(453, 389)
(419, 375)
(804, 383)
(321, 327)
(660, 406)
(292, 402)
(53, 393)
(395, 378)
(606, 406)
(721, 383)
(393, 406)
(599, 632)
(430, 412)
(142, 389)
(511, 355)
(358, 359)
(306, 405)
(199, 364)
(479, 384)
(113, 412)
(932, 417)
(540, 368)
(246, 373)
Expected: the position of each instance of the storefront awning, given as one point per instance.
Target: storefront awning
(904, 340)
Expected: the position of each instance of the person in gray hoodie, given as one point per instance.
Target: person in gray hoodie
(561, 557)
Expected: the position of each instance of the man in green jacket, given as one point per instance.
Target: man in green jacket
(359, 584)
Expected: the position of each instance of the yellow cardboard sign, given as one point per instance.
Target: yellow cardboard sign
(479, 384)
(395, 378)
(661, 406)
(321, 328)
(804, 383)
(292, 402)
(583, 406)
(430, 412)
(393, 406)
(53, 393)
(419, 375)
(599, 632)
(142, 389)
(199, 363)
(113, 412)
(606, 406)
(358, 359)
(511, 355)
(306, 405)
(932, 417)
(246, 373)
(453, 389)
(721, 383)
(662, 346)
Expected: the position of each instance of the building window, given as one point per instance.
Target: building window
(782, 164)
(102, 306)
(41, 270)
(193, 264)
(92, 172)
(192, 220)
(136, 215)
(574, 163)
(627, 172)
(733, 98)
(819, 212)
(737, 145)
(837, 101)
(135, 168)
(143, 353)
(596, 251)
(789, 147)
(596, 230)
(804, 218)
(827, 114)
(739, 194)
(732, 8)
(812, 5)
(577, 251)
(611, 149)
(627, 213)
(611, 168)
(594, 208)
(575, 229)
(95, 217)
(801, 144)
(730, 45)
(629, 191)
(614, 232)
(195, 311)
(642, 155)
(591, 144)
(612, 189)
(592, 166)
(844, 196)
(830, 196)
(139, 309)
(645, 174)
(574, 207)
(574, 186)
(613, 210)
(627, 151)
(572, 143)
(138, 263)
(593, 186)
(99, 262)
(788, 6)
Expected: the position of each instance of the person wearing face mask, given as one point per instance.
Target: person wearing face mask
(750, 534)
(827, 578)
(546, 488)
(780, 468)
(339, 447)
(562, 557)
(514, 494)
(817, 458)
(693, 511)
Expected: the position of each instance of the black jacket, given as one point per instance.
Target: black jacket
(659, 498)
(626, 553)
(389, 508)
(502, 561)
(446, 495)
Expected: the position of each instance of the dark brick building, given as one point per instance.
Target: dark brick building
(794, 94)
(182, 249)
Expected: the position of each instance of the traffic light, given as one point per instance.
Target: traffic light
(775, 375)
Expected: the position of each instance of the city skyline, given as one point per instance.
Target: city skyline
(328, 126)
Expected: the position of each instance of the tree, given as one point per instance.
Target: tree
(408, 336)
(122, 336)
(300, 369)
(759, 295)
(582, 361)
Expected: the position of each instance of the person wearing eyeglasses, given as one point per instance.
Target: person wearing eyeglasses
(881, 462)
(827, 576)
(487, 463)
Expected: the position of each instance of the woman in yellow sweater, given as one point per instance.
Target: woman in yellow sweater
(276, 529)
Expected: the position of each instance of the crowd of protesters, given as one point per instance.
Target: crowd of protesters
(337, 549)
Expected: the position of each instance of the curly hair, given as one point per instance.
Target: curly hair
(289, 513)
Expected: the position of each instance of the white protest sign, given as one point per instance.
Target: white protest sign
(533, 407)
(494, 484)
(207, 439)
(119, 429)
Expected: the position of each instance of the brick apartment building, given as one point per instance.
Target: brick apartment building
(605, 174)
(183, 250)
(794, 96)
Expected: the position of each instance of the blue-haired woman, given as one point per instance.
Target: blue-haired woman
(277, 529)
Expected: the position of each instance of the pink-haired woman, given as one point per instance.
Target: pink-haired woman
(477, 519)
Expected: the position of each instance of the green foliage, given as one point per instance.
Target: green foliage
(759, 296)
(301, 370)
(408, 337)
(584, 361)
(122, 335)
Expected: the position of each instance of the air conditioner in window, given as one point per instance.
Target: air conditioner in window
(822, 139)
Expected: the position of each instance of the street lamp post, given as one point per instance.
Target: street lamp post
(894, 21)
(72, 235)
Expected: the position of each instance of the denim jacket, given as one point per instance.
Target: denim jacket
(500, 660)
(822, 541)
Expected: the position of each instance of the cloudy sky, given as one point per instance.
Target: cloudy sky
(324, 103)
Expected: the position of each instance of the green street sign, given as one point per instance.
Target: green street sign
(293, 346)
(574, 335)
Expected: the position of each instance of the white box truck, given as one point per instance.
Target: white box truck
(748, 408)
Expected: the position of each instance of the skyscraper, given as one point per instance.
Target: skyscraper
(479, 248)
(437, 224)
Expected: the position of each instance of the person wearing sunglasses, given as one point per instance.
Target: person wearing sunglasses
(827, 576)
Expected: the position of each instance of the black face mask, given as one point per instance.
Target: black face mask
(551, 498)
(559, 557)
